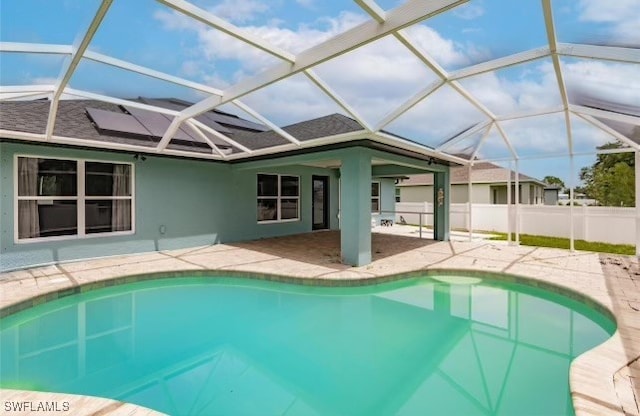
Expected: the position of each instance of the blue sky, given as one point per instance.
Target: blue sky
(374, 79)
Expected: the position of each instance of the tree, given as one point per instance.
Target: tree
(611, 179)
(554, 180)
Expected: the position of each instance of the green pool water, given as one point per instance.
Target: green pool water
(223, 346)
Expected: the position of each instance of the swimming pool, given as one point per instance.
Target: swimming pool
(425, 345)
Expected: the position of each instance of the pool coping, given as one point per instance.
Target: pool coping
(305, 281)
(591, 374)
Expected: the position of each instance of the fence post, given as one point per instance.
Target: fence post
(637, 201)
(420, 222)
(517, 196)
(509, 205)
(572, 246)
(585, 223)
(469, 206)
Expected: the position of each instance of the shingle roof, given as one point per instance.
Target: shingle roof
(483, 172)
(72, 121)
(307, 130)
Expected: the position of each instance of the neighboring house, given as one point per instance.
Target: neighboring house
(104, 184)
(489, 186)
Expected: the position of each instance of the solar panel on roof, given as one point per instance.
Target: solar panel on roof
(158, 124)
(234, 121)
(116, 122)
(179, 105)
(217, 117)
(217, 127)
(217, 141)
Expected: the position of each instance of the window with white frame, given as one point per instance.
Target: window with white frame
(278, 198)
(56, 198)
(375, 196)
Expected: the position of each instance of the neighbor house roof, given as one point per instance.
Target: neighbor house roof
(74, 120)
(483, 172)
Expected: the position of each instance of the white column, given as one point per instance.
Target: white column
(470, 208)
(517, 191)
(637, 203)
(572, 247)
(509, 205)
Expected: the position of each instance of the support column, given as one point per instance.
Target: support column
(470, 202)
(637, 168)
(517, 198)
(572, 236)
(509, 204)
(355, 215)
(441, 205)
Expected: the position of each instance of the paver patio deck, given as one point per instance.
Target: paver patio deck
(604, 380)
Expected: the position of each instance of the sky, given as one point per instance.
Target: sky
(374, 79)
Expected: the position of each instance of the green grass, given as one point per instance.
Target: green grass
(557, 242)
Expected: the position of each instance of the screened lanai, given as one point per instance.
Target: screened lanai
(541, 86)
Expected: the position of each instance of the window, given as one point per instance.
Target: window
(278, 198)
(375, 196)
(60, 198)
(397, 194)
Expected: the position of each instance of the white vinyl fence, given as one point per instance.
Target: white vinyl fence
(603, 224)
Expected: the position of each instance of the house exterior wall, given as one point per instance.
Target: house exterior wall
(479, 194)
(416, 193)
(184, 196)
(499, 194)
(530, 194)
(244, 196)
(483, 193)
(459, 193)
(197, 202)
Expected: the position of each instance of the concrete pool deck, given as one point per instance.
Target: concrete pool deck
(604, 380)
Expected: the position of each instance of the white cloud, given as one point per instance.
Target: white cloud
(190, 68)
(607, 11)
(213, 46)
(45, 80)
(294, 99)
(172, 20)
(240, 11)
(539, 135)
(622, 16)
(445, 51)
(374, 79)
(469, 11)
(535, 87)
(439, 117)
(606, 81)
(378, 77)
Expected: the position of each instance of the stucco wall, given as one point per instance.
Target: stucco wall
(527, 194)
(197, 202)
(186, 197)
(459, 194)
(416, 194)
(244, 196)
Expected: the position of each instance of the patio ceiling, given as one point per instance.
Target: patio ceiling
(460, 80)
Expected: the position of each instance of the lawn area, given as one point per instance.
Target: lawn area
(557, 242)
